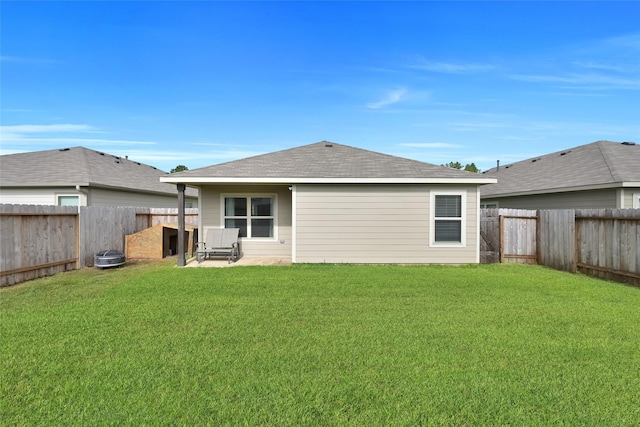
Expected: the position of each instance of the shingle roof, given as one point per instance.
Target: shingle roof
(326, 160)
(600, 163)
(80, 166)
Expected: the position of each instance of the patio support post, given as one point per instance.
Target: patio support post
(181, 255)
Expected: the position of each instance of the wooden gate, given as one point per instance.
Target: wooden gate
(518, 238)
(508, 235)
(489, 237)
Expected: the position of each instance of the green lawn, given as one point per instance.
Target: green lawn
(152, 344)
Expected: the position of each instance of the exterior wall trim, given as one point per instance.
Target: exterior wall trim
(298, 180)
(294, 221)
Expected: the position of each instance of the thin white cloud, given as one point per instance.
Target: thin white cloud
(625, 42)
(473, 126)
(598, 66)
(193, 159)
(74, 141)
(451, 68)
(392, 97)
(26, 60)
(63, 127)
(428, 145)
(587, 81)
(61, 134)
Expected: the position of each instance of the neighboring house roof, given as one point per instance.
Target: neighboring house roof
(80, 166)
(601, 164)
(325, 162)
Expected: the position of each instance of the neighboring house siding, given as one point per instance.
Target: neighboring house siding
(630, 198)
(596, 199)
(105, 197)
(376, 224)
(35, 196)
(90, 197)
(211, 216)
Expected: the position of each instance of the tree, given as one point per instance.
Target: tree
(472, 168)
(469, 167)
(179, 168)
(453, 165)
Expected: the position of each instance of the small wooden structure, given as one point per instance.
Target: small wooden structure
(159, 241)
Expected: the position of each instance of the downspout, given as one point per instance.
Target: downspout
(85, 193)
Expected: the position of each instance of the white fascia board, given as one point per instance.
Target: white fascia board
(229, 180)
(45, 184)
(559, 190)
(631, 184)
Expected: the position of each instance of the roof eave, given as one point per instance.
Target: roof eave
(298, 180)
(45, 184)
(563, 189)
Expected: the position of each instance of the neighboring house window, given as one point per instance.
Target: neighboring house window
(448, 219)
(67, 200)
(253, 215)
(489, 205)
(636, 200)
(188, 205)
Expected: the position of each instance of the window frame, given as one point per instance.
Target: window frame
(62, 195)
(463, 219)
(248, 197)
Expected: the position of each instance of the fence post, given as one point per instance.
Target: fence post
(181, 226)
(501, 226)
(576, 242)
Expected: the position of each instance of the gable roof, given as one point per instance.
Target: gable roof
(80, 166)
(326, 162)
(601, 164)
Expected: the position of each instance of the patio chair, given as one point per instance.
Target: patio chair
(219, 242)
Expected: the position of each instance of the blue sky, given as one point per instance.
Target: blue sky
(199, 83)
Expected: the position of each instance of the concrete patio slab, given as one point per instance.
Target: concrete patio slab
(221, 263)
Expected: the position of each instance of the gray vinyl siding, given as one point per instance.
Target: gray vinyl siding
(36, 196)
(90, 197)
(595, 199)
(376, 224)
(211, 217)
(105, 197)
(629, 198)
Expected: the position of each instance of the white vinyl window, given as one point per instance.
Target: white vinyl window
(636, 200)
(448, 218)
(64, 200)
(253, 215)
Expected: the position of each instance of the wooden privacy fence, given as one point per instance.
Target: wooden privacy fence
(607, 244)
(508, 235)
(604, 242)
(37, 241)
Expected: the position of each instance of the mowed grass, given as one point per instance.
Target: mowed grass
(151, 344)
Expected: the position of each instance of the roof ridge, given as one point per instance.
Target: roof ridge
(605, 157)
(85, 163)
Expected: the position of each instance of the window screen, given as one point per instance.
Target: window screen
(448, 218)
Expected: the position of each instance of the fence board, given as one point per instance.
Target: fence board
(39, 240)
(489, 236)
(519, 236)
(608, 244)
(557, 239)
(102, 228)
(36, 241)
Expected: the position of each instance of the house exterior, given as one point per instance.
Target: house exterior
(332, 203)
(599, 175)
(82, 177)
